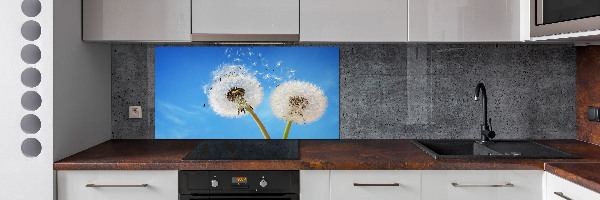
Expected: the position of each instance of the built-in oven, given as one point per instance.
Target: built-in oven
(554, 17)
(234, 185)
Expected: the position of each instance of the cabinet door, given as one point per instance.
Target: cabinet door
(314, 184)
(245, 17)
(117, 185)
(379, 185)
(136, 20)
(561, 189)
(468, 20)
(482, 184)
(354, 20)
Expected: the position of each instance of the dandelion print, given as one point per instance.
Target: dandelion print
(226, 92)
(298, 102)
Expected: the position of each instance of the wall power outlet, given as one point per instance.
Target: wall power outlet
(135, 112)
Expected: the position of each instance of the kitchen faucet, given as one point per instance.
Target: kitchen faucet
(486, 129)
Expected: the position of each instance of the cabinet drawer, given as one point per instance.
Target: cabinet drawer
(117, 185)
(482, 184)
(567, 189)
(380, 185)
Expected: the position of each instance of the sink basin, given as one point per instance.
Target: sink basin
(494, 149)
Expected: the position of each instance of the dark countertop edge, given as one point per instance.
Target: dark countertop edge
(296, 165)
(94, 158)
(579, 179)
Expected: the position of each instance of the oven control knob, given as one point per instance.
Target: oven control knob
(263, 183)
(214, 183)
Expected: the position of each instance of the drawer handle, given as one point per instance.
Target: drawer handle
(560, 194)
(362, 184)
(505, 185)
(94, 185)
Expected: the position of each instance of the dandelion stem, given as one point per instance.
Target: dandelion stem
(258, 122)
(287, 130)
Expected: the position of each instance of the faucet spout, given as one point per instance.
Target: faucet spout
(486, 132)
(481, 88)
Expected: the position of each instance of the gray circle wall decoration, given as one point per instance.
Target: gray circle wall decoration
(31, 124)
(31, 100)
(31, 77)
(31, 30)
(31, 54)
(31, 8)
(31, 147)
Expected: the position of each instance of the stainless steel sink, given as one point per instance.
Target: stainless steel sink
(493, 149)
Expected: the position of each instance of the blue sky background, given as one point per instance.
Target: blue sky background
(182, 108)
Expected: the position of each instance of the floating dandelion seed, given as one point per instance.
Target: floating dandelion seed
(298, 102)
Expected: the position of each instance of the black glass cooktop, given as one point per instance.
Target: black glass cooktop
(245, 150)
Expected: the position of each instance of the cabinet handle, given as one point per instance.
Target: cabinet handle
(362, 184)
(94, 185)
(560, 194)
(505, 185)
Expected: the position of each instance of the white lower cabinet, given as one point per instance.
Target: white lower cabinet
(117, 185)
(340, 185)
(482, 184)
(314, 184)
(375, 185)
(561, 189)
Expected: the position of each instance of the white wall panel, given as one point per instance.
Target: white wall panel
(24, 177)
(82, 84)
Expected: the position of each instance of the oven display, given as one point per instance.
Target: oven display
(239, 180)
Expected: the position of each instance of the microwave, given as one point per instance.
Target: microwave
(564, 17)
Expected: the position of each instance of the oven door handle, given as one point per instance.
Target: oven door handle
(191, 197)
(251, 197)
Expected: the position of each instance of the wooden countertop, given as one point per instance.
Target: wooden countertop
(314, 155)
(332, 155)
(581, 173)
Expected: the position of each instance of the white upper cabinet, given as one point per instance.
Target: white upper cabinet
(136, 20)
(354, 20)
(245, 20)
(468, 20)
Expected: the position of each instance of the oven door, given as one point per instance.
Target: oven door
(552, 17)
(236, 197)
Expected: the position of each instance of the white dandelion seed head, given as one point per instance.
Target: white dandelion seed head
(298, 101)
(232, 89)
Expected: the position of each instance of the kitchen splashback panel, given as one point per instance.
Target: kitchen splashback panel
(394, 91)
